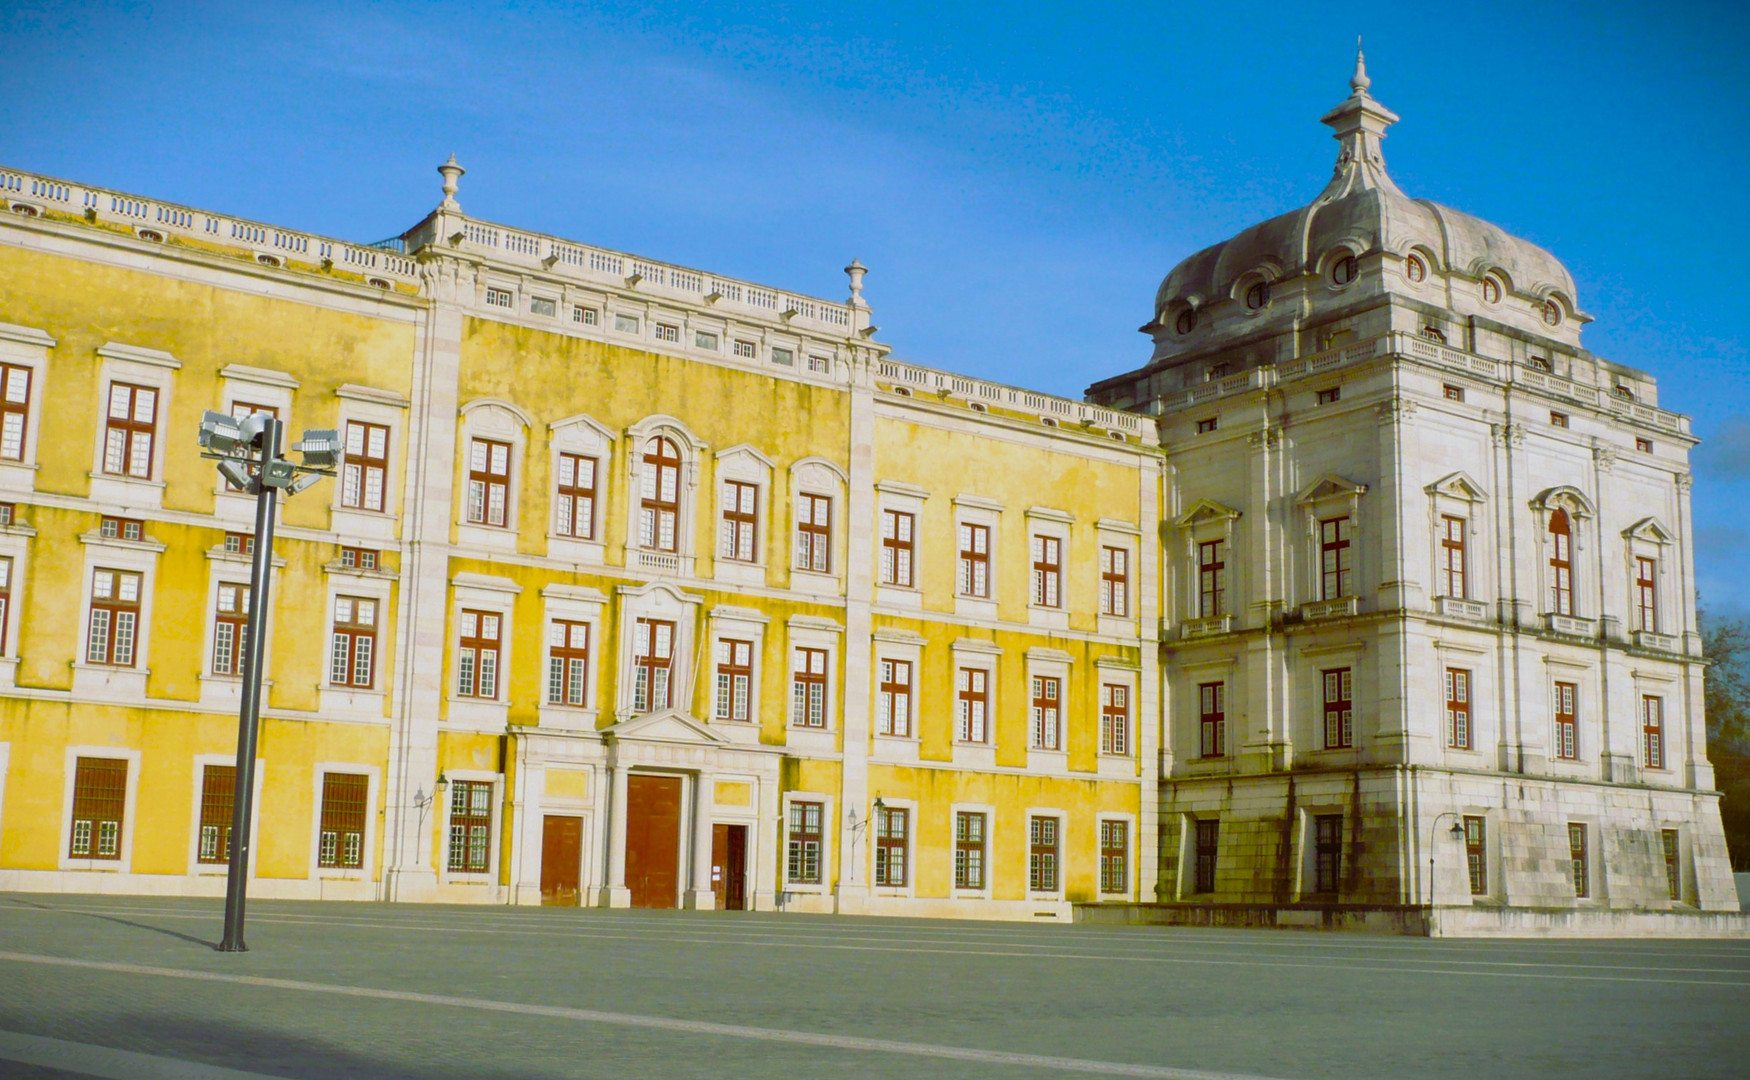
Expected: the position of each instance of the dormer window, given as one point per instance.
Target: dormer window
(1539, 363)
(1258, 295)
(1552, 313)
(1345, 270)
(1216, 371)
(1415, 269)
(1622, 393)
(1434, 334)
(1186, 322)
(1491, 290)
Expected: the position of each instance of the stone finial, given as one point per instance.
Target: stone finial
(451, 173)
(1360, 82)
(856, 271)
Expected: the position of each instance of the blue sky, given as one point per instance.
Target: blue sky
(1017, 177)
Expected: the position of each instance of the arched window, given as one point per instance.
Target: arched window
(1415, 269)
(659, 495)
(1561, 563)
(1345, 270)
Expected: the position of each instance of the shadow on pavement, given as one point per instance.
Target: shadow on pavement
(211, 944)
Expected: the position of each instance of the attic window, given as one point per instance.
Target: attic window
(1415, 269)
(1491, 291)
(1345, 270)
(1645, 446)
(978, 406)
(1433, 334)
(1622, 392)
(1186, 322)
(584, 315)
(541, 305)
(1258, 295)
(1206, 425)
(1539, 363)
(1048, 421)
(1552, 313)
(268, 260)
(902, 391)
(1330, 396)
(1452, 393)
(1216, 371)
(1115, 436)
(1558, 419)
(498, 298)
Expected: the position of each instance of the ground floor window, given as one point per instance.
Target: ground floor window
(803, 862)
(892, 845)
(1475, 856)
(1114, 856)
(1203, 871)
(1673, 868)
(470, 826)
(1577, 858)
(100, 795)
(1042, 854)
(1327, 852)
(342, 830)
(969, 829)
(218, 787)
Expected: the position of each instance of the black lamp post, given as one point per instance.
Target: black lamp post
(248, 452)
(1433, 835)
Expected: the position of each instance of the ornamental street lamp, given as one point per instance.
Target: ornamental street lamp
(1433, 835)
(248, 453)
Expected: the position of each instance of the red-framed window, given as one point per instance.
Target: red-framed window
(803, 861)
(488, 483)
(1653, 731)
(352, 558)
(14, 410)
(1453, 560)
(1042, 854)
(115, 618)
(574, 497)
(737, 536)
(352, 656)
(470, 826)
(1212, 719)
(230, 629)
(1115, 581)
(1458, 725)
(1561, 563)
(1114, 719)
(973, 578)
(130, 428)
(1045, 721)
(892, 845)
(1577, 862)
(971, 704)
(896, 547)
(893, 701)
(969, 848)
(1476, 855)
(477, 655)
(118, 528)
(341, 833)
(364, 475)
(218, 797)
(1327, 852)
(100, 795)
(1336, 558)
(652, 664)
(1339, 709)
(1114, 856)
(1211, 578)
(1047, 571)
(659, 505)
(5, 598)
(814, 533)
(734, 680)
(808, 689)
(567, 662)
(1646, 595)
(1567, 697)
(1205, 841)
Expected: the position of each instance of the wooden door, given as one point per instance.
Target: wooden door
(561, 859)
(729, 866)
(653, 840)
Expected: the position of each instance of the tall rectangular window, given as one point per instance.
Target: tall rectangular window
(893, 701)
(1567, 720)
(115, 618)
(1668, 842)
(342, 828)
(1114, 581)
(1646, 595)
(803, 854)
(652, 663)
(1577, 859)
(130, 427)
(896, 547)
(1047, 571)
(659, 505)
(1042, 854)
(1339, 709)
(242, 410)
(567, 662)
(892, 845)
(1476, 855)
(969, 830)
(477, 655)
(814, 533)
(1335, 558)
(1561, 564)
(488, 482)
(100, 793)
(1045, 720)
(737, 533)
(973, 578)
(1653, 731)
(1327, 852)
(353, 649)
(1212, 718)
(14, 410)
(808, 689)
(1211, 579)
(1458, 729)
(364, 476)
(574, 499)
(734, 680)
(470, 826)
(971, 702)
(1114, 719)
(1205, 842)
(218, 798)
(230, 629)
(1114, 856)
(5, 599)
(1453, 561)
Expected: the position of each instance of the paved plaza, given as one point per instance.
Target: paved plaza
(131, 987)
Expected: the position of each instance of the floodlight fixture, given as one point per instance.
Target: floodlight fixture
(278, 473)
(320, 448)
(220, 434)
(237, 473)
(301, 481)
(252, 427)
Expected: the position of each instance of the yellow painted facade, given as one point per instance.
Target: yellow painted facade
(448, 776)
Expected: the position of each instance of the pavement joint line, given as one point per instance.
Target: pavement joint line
(657, 1023)
(1453, 967)
(110, 1063)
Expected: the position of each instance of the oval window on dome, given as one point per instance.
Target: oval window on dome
(1258, 295)
(1415, 269)
(1491, 291)
(1552, 313)
(1186, 322)
(1344, 270)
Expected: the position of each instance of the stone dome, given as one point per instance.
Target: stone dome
(1362, 211)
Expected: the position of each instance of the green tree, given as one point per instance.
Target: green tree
(1726, 643)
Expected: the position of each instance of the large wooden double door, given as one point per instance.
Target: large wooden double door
(653, 840)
